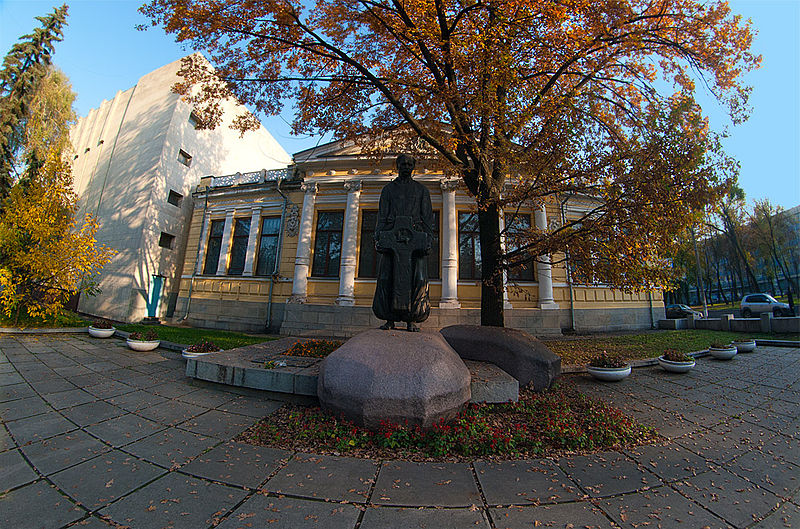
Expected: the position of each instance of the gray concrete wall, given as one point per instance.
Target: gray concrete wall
(126, 165)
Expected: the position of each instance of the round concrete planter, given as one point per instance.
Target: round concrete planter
(609, 374)
(94, 332)
(191, 354)
(745, 346)
(675, 367)
(142, 345)
(725, 353)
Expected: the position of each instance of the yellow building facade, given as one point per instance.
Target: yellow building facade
(293, 253)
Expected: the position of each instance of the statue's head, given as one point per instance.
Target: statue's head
(405, 165)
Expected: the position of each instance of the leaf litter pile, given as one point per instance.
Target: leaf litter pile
(558, 420)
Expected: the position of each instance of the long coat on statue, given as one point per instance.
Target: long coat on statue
(403, 197)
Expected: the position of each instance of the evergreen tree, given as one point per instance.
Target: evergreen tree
(23, 69)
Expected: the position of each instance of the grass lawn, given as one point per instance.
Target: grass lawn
(64, 319)
(190, 335)
(579, 350)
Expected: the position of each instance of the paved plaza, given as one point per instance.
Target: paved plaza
(96, 436)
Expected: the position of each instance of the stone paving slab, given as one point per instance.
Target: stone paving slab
(524, 482)
(221, 424)
(772, 473)
(291, 513)
(238, 464)
(172, 447)
(578, 515)
(92, 413)
(325, 477)
(607, 474)
(62, 451)
(37, 506)
(14, 470)
(175, 500)
(124, 429)
(97, 482)
(405, 483)
(730, 497)
(39, 427)
(22, 408)
(414, 518)
(669, 462)
(183, 470)
(661, 507)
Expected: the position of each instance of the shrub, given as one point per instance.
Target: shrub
(603, 360)
(720, 345)
(676, 356)
(102, 324)
(148, 336)
(203, 346)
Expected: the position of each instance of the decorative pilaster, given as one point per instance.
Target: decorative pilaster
(202, 243)
(449, 298)
(506, 303)
(543, 268)
(225, 247)
(252, 240)
(302, 260)
(347, 267)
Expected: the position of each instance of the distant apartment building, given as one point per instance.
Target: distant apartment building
(138, 157)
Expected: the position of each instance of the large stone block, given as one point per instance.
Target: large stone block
(516, 352)
(394, 375)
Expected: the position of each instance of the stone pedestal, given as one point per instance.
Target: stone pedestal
(394, 376)
(516, 352)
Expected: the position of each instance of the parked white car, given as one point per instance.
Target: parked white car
(758, 303)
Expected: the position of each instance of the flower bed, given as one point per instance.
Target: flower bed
(313, 348)
(560, 419)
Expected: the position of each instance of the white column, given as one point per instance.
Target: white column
(347, 267)
(543, 269)
(225, 247)
(449, 237)
(250, 256)
(302, 260)
(506, 303)
(202, 243)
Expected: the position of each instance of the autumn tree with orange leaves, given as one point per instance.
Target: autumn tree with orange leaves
(528, 101)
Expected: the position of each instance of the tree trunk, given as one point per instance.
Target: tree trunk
(491, 272)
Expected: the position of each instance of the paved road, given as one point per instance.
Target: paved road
(95, 436)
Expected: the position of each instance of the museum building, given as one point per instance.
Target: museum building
(292, 252)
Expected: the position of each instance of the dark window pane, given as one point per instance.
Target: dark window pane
(241, 234)
(268, 246)
(433, 257)
(515, 238)
(469, 247)
(217, 228)
(328, 244)
(213, 247)
(367, 256)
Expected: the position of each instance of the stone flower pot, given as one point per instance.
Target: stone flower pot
(744, 346)
(609, 374)
(143, 345)
(675, 367)
(94, 332)
(723, 353)
(191, 354)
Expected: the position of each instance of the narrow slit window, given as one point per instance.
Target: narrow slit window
(175, 198)
(166, 240)
(185, 158)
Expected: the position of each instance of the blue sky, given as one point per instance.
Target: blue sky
(103, 53)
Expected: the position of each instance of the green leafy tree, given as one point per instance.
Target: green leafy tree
(566, 97)
(24, 68)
